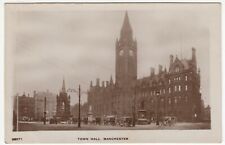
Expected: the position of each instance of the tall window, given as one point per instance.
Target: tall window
(169, 81)
(169, 90)
(175, 88)
(186, 78)
(179, 88)
(169, 101)
(175, 100)
(177, 69)
(186, 88)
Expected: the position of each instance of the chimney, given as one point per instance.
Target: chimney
(193, 54)
(107, 83)
(160, 69)
(103, 83)
(98, 82)
(35, 93)
(152, 71)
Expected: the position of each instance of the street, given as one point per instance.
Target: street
(35, 126)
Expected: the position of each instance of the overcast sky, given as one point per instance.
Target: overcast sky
(52, 41)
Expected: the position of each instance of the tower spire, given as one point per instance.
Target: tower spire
(63, 86)
(126, 31)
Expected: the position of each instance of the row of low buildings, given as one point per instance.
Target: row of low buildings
(32, 107)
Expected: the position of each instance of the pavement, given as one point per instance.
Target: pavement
(35, 126)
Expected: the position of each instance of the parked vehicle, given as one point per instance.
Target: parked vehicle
(110, 120)
(168, 120)
(142, 121)
(98, 120)
(126, 121)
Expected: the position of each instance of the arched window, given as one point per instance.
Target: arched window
(177, 69)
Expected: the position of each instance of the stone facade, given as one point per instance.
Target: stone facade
(174, 92)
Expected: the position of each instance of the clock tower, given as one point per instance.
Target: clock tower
(126, 56)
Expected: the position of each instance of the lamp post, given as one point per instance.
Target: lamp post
(157, 108)
(17, 118)
(45, 111)
(79, 110)
(79, 96)
(133, 108)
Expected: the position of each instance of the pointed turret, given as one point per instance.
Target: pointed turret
(193, 55)
(126, 31)
(63, 86)
(111, 80)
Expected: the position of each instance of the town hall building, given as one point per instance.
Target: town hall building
(171, 92)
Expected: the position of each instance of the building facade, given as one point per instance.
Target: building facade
(39, 105)
(25, 109)
(172, 92)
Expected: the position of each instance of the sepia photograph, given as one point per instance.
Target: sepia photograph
(73, 67)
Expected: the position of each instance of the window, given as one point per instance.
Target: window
(169, 81)
(162, 99)
(186, 88)
(177, 69)
(175, 88)
(186, 78)
(121, 52)
(152, 100)
(179, 88)
(169, 90)
(169, 101)
(175, 100)
(164, 91)
(179, 78)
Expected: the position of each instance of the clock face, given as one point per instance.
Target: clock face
(121, 52)
(131, 53)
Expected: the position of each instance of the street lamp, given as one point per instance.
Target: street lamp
(79, 94)
(45, 111)
(133, 108)
(157, 108)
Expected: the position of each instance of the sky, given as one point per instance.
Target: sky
(77, 42)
